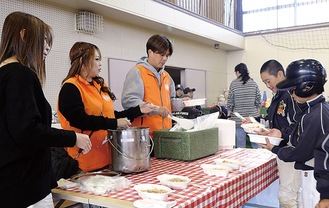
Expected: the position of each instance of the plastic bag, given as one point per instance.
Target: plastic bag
(201, 123)
(102, 185)
(206, 122)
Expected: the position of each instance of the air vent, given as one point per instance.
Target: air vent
(87, 22)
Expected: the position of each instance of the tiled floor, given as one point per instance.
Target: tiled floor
(66, 204)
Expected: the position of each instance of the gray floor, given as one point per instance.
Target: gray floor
(266, 199)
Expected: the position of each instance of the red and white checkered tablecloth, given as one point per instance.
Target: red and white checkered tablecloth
(259, 171)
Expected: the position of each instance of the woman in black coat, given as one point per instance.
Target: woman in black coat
(26, 174)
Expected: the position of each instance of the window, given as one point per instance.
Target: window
(260, 15)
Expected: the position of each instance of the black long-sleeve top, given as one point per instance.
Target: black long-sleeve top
(310, 139)
(71, 106)
(282, 114)
(26, 174)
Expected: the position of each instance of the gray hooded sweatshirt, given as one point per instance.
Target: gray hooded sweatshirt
(133, 87)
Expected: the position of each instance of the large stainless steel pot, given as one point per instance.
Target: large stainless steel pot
(131, 149)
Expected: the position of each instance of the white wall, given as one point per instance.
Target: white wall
(120, 41)
(127, 42)
(282, 47)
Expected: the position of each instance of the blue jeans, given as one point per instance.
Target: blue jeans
(255, 145)
(241, 138)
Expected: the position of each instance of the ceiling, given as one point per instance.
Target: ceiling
(115, 14)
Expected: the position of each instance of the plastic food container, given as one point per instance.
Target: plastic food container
(261, 139)
(216, 170)
(234, 164)
(174, 181)
(153, 191)
(252, 127)
(194, 102)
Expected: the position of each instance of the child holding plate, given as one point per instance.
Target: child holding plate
(309, 144)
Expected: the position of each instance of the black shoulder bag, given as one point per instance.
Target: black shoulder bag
(64, 165)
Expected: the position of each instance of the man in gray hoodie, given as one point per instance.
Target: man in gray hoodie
(149, 82)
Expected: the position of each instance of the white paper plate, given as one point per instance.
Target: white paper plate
(142, 191)
(194, 102)
(251, 127)
(167, 180)
(234, 164)
(261, 139)
(216, 170)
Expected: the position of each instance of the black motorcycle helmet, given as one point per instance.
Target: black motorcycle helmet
(305, 76)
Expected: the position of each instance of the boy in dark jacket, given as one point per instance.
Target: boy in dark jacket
(282, 115)
(309, 144)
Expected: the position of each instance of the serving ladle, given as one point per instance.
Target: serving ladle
(184, 123)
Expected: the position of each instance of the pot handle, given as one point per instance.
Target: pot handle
(125, 155)
(152, 146)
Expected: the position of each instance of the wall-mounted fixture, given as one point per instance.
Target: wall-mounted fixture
(87, 22)
(216, 46)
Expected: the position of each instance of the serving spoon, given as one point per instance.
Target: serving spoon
(184, 123)
(238, 115)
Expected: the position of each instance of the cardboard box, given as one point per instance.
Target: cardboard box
(185, 145)
(226, 134)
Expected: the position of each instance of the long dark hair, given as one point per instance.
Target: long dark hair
(28, 49)
(243, 70)
(82, 53)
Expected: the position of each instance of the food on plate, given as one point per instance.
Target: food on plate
(252, 127)
(155, 191)
(228, 161)
(177, 180)
(216, 170)
(174, 181)
(220, 168)
(234, 164)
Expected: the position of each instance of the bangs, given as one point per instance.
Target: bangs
(49, 35)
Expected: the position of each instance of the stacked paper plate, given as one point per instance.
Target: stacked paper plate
(194, 102)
